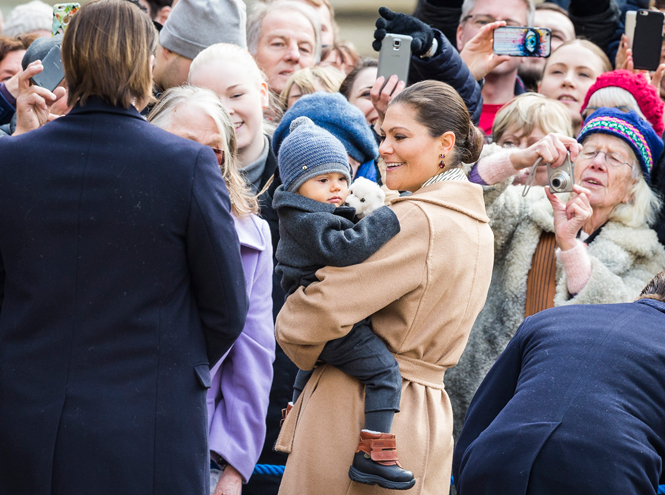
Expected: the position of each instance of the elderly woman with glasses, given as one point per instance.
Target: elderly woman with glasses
(240, 381)
(592, 246)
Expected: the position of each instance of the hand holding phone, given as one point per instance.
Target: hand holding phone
(395, 56)
(33, 103)
(53, 72)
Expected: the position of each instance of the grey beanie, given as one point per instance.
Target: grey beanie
(308, 151)
(39, 49)
(194, 25)
(27, 18)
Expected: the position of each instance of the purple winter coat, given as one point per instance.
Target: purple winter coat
(238, 398)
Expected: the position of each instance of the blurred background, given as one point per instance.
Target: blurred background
(356, 18)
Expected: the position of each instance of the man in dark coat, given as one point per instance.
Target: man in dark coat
(574, 405)
(120, 283)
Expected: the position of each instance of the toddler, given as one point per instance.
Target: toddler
(316, 230)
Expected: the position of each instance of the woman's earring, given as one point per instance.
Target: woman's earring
(442, 164)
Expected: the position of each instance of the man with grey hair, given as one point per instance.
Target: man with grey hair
(193, 26)
(283, 37)
(500, 72)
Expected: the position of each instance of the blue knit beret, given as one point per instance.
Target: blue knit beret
(309, 151)
(336, 115)
(629, 127)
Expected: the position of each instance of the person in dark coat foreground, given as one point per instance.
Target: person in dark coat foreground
(574, 405)
(121, 282)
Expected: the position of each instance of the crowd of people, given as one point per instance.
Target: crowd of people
(233, 259)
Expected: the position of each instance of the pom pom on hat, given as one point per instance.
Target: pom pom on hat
(629, 127)
(309, 151)
(645, 94)
(27, 18)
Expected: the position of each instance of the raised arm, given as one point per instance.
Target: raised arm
(328, 309)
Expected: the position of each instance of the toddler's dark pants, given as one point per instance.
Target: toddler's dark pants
(364, 356)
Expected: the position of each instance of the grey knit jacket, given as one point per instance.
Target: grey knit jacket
(313, 235)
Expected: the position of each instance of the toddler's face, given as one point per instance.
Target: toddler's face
(327, 188)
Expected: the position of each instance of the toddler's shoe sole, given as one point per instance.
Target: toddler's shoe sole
(372, 479)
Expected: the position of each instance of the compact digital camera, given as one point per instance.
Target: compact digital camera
(561, 178)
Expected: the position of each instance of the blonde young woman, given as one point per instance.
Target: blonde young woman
(238, 394)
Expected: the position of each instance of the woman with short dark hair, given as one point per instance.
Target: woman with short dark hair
(121, 281)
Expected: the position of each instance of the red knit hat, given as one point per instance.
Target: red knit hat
(645, 94)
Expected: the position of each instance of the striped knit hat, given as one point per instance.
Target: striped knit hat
(309, 151)
(629, 127)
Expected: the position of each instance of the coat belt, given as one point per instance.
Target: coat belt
(418, 371)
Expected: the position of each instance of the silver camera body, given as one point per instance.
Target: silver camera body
(561, 179)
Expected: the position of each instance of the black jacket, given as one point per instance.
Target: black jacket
(120, 281)
(313, 235)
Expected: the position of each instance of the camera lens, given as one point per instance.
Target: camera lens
(556, 182)
(397, 43)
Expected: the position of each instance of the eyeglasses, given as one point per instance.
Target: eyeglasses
(219, 154)
(481, 20)
(611, 159)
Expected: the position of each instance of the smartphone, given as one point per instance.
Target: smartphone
(395, 56)
(53, 73)
(648, 39)
(62, 14)
(522, 41)
(631, 18)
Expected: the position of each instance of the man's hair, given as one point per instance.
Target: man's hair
(261, 10)
(552, 7)
(106, 53)
(468, 6)
(529, 110)
(655, 289)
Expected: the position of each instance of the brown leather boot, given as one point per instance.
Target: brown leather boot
(376, 462)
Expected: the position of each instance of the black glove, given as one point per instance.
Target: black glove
(396, 23)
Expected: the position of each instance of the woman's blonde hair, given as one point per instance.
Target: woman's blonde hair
(529, 111)
(106, 52)
(227, 52)
(305, 79)
(243, 201)
(592, 47)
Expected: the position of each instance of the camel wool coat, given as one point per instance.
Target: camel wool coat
(423, 289)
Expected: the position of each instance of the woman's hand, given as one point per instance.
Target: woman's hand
(230, 482)
(34, 102)
(569, 218)
(382, 95)
(478, 54)
(553, 149)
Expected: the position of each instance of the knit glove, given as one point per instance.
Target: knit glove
(396, 23)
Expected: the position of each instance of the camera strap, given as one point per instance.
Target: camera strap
(531, 178)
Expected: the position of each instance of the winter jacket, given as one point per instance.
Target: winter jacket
(238, 397)
(120, 283)
(623, 260)
(574, 405)
(314, 234)
(447, 66)
(423, 290)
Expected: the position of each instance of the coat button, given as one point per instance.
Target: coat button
(304, 167)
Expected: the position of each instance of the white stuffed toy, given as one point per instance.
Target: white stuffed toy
(365, 196)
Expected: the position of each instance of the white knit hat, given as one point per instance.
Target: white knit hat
(29, 17)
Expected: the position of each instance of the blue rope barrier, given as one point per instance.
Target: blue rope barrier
(269, 469)
(278, 470)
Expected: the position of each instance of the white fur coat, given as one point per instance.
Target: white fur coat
(623, 260)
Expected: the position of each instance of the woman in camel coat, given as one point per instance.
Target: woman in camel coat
(423, 289)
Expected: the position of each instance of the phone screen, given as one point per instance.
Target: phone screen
(522, 41)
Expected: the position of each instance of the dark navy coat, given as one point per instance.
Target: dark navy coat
(574, 405)
(120, 281)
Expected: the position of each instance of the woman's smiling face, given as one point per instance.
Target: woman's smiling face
(410, 153)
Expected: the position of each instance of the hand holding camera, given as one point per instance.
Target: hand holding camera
(569, 218)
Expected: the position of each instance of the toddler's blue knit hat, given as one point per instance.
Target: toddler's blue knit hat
(309, 151)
